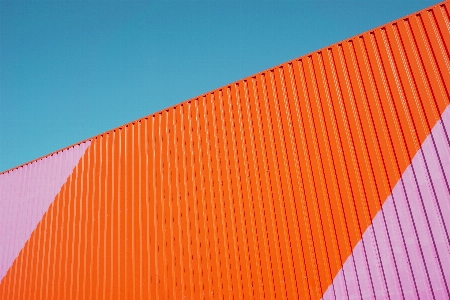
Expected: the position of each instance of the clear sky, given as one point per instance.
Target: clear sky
(70, 70)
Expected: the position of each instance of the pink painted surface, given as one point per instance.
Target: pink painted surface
(405, 253)
(25, 195)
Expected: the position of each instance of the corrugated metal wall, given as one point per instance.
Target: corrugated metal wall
(327, 176)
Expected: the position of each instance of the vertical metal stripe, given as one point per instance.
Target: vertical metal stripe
(147, 234)
(222, 258)
(172, 279)
(371, 149)
(107, 242)
(373, 117)
(4, 184)
(257, 142)
(279, 280)
(304, 175)
(27, 254)
(178, 252)
(47, 262)
(253, 190)
(357, 172)
(37, 237)
(222, 169)
(71, 222)
(240, 162)
(11, 291)
(140, 186)
(241, 218)
(155, 220)
(163, 203)
(78, 224)
(393, 168)
(86, 279)
(190, 271)
(211, 199)
(288, 210)
(235, 264)
(321, 151)
(100, 217)
(120, 198)
(319, 256)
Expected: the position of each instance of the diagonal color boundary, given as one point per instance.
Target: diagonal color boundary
(25, 195)
(405, 252)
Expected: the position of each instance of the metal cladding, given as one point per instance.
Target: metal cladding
(325, 177)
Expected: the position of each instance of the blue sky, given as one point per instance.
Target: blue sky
(70, 70)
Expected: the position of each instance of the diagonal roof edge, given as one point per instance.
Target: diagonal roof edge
(444, 3)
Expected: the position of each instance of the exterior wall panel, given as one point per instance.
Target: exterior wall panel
(325, 177)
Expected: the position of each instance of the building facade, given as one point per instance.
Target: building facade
(327, 177)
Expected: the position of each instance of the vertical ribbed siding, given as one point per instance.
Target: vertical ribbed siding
(270, 187)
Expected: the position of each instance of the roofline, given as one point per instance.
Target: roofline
(226, 85)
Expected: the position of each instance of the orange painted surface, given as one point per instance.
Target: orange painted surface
(259, 189)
